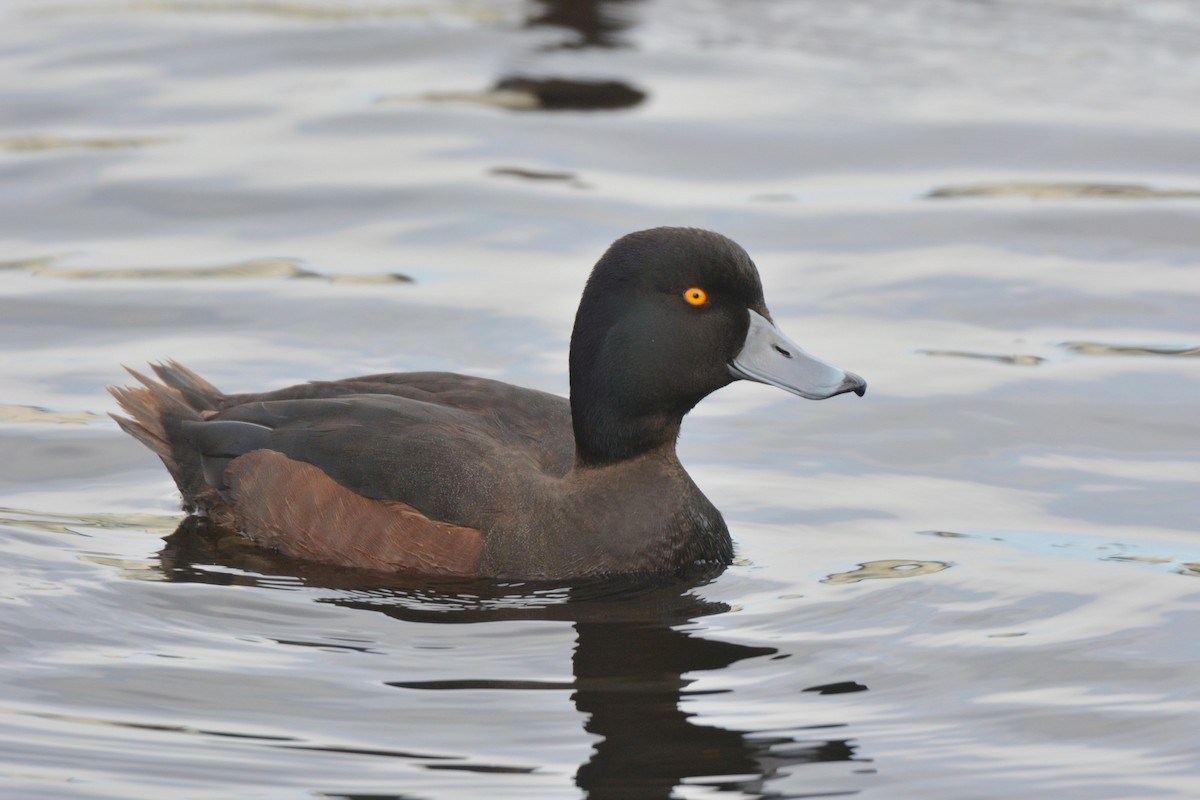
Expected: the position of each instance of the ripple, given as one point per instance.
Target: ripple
(546, 176)
(1161, 555)
(890, 568)
(481, 12)
(1016, 359)
(1100, 349)
(189, 730)
(39, 414)
(38, 142)
(288, 268)
(69, 524)
(1061, 191)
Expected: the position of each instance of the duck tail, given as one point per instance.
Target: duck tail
(156, 414)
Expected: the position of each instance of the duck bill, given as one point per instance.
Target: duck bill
(767, 356)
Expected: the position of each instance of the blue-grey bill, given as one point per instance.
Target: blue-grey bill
(767, 356)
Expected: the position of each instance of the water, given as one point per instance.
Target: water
(980, 580)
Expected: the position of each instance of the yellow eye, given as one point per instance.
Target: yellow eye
(696, 296)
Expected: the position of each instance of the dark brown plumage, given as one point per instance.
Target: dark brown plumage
(447, 474)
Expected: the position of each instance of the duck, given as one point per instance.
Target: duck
(441, 474)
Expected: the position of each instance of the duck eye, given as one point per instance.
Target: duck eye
(695, 296)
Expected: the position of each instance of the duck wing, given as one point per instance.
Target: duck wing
(397, 472)
(449, 463)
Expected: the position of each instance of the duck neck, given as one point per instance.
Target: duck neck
(623, 402)
(605, 434)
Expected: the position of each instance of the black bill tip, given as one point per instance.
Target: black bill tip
(853, 383)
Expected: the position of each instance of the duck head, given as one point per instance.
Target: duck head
(668, 316)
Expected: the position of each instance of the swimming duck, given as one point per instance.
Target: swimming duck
(445, 474)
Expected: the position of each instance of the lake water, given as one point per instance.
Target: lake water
(982, 580)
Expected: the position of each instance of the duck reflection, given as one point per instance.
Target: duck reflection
(629, 680)
(633, 653)
(594, 23)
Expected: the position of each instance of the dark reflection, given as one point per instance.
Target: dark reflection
(595, 23)
(629, 680)
(562, 94)
(633, 659)
(841, 687)
(591, 23)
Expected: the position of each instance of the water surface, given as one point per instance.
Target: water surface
(980, 580)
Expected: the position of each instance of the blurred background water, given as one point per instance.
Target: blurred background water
(979, 581)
